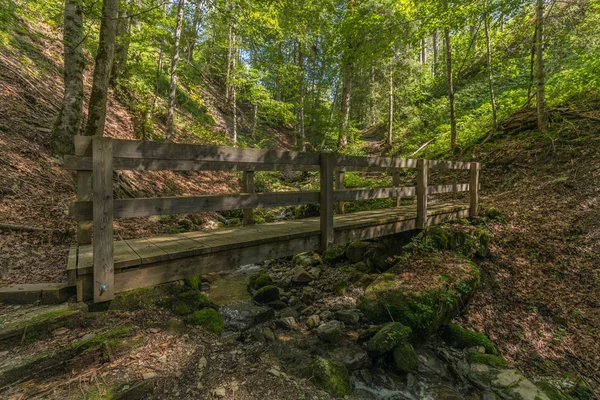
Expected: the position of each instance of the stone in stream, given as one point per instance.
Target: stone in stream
(353, 357)
(266, 294)
(404, 357)
(390, 335)
(243, 315)
(330, 332)
(356, 251)
(350, 317)
(331, 376)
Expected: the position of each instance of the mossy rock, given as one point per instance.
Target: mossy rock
(356, 251)
(190, 301)
(193, 282)
(553, 392)
(457, 336)
(307, 260)
(331, 376)
(475, 357)
(207, 318)
(388, 337)
(464, 239)
(404, 357)
(426, 310)
(334, 254)
(266, 294)
(259, 280)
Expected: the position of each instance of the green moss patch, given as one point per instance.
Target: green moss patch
(487, 359)
(388, 337)
(189, 301)
(457, 336)
(259, 280)
(404, 358)
(193, 282)
(467, 240)
(207, 318)
(266, 294)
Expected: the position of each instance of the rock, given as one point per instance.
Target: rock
(60, 331)
(300, 275)
(356, 251)
(88, 336)
(268, 334)
(259, 280)
(266, 294)
(162, 359)
(287, 323)
(243, 315)
(274, 372)
(331, 376)
(390, 335)
(176, 326)
(350, 317)
(306, 259)
(308, 295)
(368, 334)
(293, 301)
(314, 271)
(334, 254)
(310, 310)
(288, 312)
(444, 392)
(205, 287)
(189, 301)
(404, 357)
(149, 375)
(277, 305)
(219, 392)
(457, 336)
(361, 266)
(313, 321)
(353, 357)
(325, 315)
(330, 332)
(202, 363)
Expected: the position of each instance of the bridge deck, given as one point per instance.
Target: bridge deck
(176, 256)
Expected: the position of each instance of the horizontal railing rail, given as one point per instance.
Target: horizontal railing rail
(96, 158)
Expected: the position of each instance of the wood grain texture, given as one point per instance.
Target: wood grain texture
(474, 190)
(422, 172)
(339, 185)
(396, 183)
(103, 219)
(248, 187)
(326, 201)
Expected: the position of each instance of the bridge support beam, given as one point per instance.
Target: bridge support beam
(248, 187)
(339, 185)
(422, 172)
(326, 200)
(474, 190)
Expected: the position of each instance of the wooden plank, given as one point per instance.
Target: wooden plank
(374, 163)
(179, 151)
(129, 208)
(150, 164)
(326, 201)
(339, 185)
(377, 193)
(147, 251)
(396, 183)
(124, 256)
(441, 164)
(248, 187)
(454, 188)
(421, 193)
(104, 288)
(474, 189)
(84, 193)
(72, 266)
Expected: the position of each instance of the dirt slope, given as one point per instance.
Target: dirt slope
(539, 299)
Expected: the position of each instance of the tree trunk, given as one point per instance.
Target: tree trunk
(345, 104)
(121, 44)
(450, 88)
(233, 91)
(301, 137)
(490, 75)
(436, 54)
(391, 111)
(542, 114)
(104, 58)
(255, 122)
(229, 48)
(195, 26)
(423, 52)
(173, 87)
(69, 118)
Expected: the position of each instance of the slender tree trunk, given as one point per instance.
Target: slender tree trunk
(345, 104)
(301, 136)
(390, 136)
(436, 55)
(531, 69)
(229, 49)
(159, 67)
(423, 51)
(104, 58)
(175, 61)
(450, 88)
(69, 118)
(542, 114)
(122, 43)
(490, 75)
(255, 122)
(195, 26)
(233, 91)
(473, 34)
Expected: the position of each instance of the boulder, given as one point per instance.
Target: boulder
(404, 357)
(307, 260)
(353, 357)
(330, 332)
(207, 318)
(356, 251)
(259, 280)
(457, 336)
(266, 294)
(300, 275)
(243, 315)
(349, 317)
(388, 337)
(331, 376)
(334, 254)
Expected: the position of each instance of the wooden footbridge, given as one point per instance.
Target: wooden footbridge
(106, 267)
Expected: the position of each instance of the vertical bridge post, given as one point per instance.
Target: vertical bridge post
(396, 184)
(339, 185)
(84, 193)
(326, 200)
(248, 187)
(422, 171)
(474, 190)
(102, 171)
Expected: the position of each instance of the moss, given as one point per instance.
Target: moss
(190, 301)
(331, 376)
(209, 319)
(259, 280)
(582, 391)
(193, 282)
(334, 254)
(492, 213)
(457, 336)
(404, 357)
(266, 294)
(356, 251)
(487, 359)
(387, 338)
(552, 392)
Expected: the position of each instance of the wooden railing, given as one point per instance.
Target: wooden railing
(96, 158)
